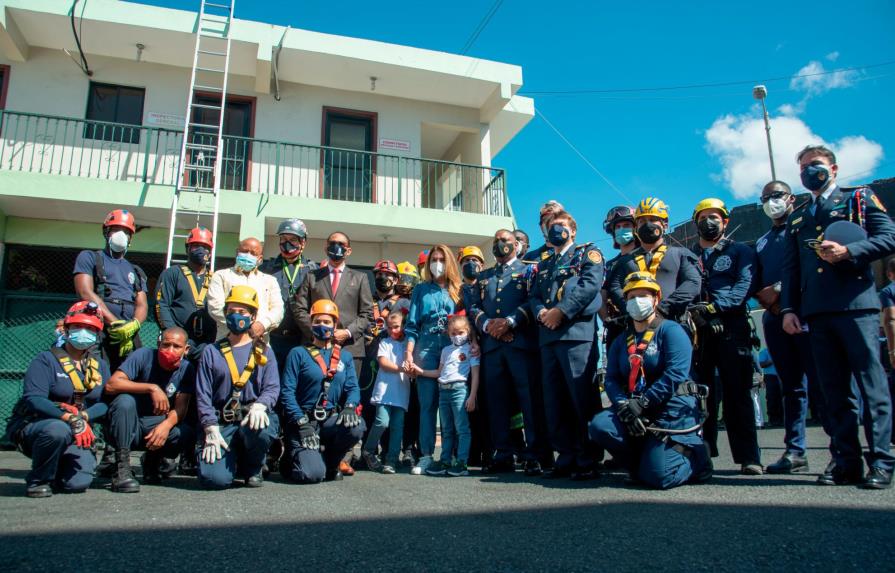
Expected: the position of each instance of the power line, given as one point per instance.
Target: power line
(481, 27)
(586, 91)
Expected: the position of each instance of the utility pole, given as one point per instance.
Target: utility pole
(760, 92)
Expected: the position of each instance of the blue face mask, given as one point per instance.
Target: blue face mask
(322, 332)
(238, 323)
(815, 177)
(624, 236)
(558, 235)
(82, 338)
(199, 255)
(246, 262)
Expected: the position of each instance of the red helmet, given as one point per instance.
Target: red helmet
(200, 236)
(386, 266)
(121, 218)
(84, 313)
(421, 260)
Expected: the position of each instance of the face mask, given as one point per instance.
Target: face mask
(649, 232)
(640, 307)
(238, 323)
(169, 359)
(322, 332)
(520, 249)
(290, 249)
(816, 177)
(470, 270)
(336, 251)
(246, 262)
(199, 255)
(81, 338)
(558, 235)
(437, 269)
(709, 229)
(501, 249)
(384, 283)
(775, 208)
(623, 236)
(118, 242)
(459, 339)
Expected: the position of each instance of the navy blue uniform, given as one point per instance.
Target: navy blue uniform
(118, 288)
(727, 284)
(131, 416)
(214, 387)
(287, 335)
(503, 292)
(481, 448)
(666, 366)
(612, 329)
(302, 385)
(840, 304)
(570, 282)
(176, 305)
(47, 440)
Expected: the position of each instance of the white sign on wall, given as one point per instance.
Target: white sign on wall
(394, 144)
(157, 119)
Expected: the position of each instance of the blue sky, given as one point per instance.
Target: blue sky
(682, 145)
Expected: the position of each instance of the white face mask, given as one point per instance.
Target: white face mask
(459, 339)
(118, 241)
(437, 269)
(639, 307)
(775, 208)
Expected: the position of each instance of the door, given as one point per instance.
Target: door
(238, 125)
(349, 175)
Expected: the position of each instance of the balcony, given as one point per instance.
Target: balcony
(101, 150)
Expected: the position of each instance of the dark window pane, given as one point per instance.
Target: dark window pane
(116, 104)
(348, 176)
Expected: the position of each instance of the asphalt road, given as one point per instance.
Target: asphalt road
(372, 522)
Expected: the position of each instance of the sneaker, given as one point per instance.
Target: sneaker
(371, 461)
(409, 460)
(437, 469)
(458, 469)
(421, 466)
(388, 469)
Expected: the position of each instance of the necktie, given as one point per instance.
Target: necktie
(335, 283)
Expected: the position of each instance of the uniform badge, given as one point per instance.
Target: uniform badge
(761, 244)
(595, 257)
(651, 350)
(722, 264)
(131, 278)
(545, 255)
(796, 221)
(876, 202)
(171, 389)
(340, 367)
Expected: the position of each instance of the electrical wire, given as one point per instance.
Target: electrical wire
(483, 23)
(77, 33)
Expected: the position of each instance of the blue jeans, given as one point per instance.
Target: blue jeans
(454, 422)
(245, 458)
(389, 418)
(427, 393)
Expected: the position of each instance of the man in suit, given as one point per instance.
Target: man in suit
(350, 290)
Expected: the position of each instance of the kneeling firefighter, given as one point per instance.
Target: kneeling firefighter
(654, 425)
(321, 401)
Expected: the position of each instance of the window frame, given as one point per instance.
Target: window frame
(373, 118)
(90, 129)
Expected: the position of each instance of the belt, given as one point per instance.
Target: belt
(119, 301)
(451, 385)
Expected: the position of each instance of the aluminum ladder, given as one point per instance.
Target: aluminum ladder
(198, 188)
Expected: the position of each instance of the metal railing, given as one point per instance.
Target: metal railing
(104, 150)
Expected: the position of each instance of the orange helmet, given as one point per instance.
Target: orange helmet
(385, 266)
(325, 306)
(200, 236)
(84, 313)
(121, 218)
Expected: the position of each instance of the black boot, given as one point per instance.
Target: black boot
(124, 481)
(106, 466)
(151, 462)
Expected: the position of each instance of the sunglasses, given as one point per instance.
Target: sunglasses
(774, 195)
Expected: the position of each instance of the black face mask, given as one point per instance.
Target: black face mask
(470, 270)
(501, 249)
(709, 229)
(649, 233)
(336, 251)
(384, 283)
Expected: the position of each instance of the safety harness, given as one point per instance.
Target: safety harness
(329, 372)
(233, 411)
(82, 385)
(101, 281)
(198, 295)
(636, 350)
(653, 267)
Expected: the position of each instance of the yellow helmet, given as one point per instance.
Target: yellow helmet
(325, 306)
(652, 207)
(711, 203)
(471, 251)
(641, 279)
(407, 268)
(245, 295)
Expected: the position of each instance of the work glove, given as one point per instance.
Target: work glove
(348, 417)
(214, 442)
(81, 431)
(307, 434)
(257, 418)
(126, 347)
(121, 331)
(705, 316)
(67, 407)
(630, 413)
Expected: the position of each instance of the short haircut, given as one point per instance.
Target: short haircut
(394, 314)
(523, 233)
(502, 231)
(777, 183)
(552, 204)
(176, 330)
(334, 233)
(816, 150)
(566, 215)
(458, 320)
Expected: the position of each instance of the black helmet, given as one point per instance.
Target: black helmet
(616, 214)
(293, 227)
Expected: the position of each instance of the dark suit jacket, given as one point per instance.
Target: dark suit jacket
(354, 299)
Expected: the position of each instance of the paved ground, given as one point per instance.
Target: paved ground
(372, 522)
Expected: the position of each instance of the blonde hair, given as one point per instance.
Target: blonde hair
(458, 320)
(451, 271)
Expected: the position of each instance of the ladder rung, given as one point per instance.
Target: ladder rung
(213, 53)
(179, 261)
(214, 70)
(195, 167)
(201, 146)
(221, 34)
(207, 88)
(210, 125)
(206, 106)
(187, 236)
(214, 5)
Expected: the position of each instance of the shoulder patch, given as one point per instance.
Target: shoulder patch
(545, 255)
(796, 221)
(722, 264)
(595, 256)
(761, 244)
(876, 202)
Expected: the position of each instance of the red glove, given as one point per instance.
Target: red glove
(81, 430)
(359, 409)
(67, 408)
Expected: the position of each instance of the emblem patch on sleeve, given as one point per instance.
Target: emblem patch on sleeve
(595, 257)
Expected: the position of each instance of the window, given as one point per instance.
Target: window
(117, 105)
(348, 175)
(239, 118)
(4, 85)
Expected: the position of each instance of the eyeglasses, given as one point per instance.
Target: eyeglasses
(774, 195)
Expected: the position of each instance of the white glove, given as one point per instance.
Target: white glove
(257, 418)
(214, 441)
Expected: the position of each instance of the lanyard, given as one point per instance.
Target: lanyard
(198, 295)
(291, 277)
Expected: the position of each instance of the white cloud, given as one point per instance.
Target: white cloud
(832, 56)
(814, 79)
(740, 144)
